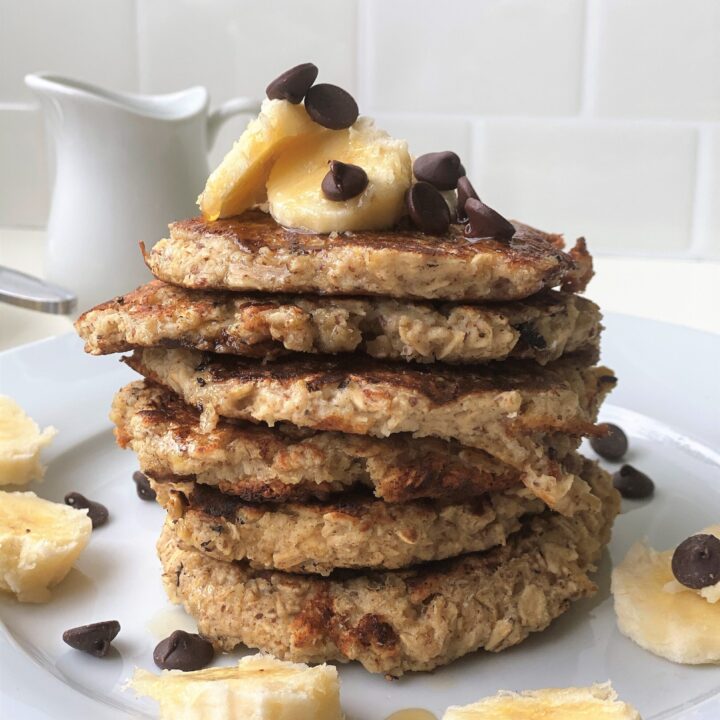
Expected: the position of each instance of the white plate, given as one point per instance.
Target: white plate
(667, 400)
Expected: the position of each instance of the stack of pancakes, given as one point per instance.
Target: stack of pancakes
(366, 442)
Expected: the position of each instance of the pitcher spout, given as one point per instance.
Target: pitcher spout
(57, 90)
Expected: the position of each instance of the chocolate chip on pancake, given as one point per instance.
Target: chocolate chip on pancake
(633, 484)
(343, 181)
(142, 486)
(331, 106)
(484, 222)
(97, 512)
(696, 561)
(465, 191)
(441, 169)
(293, 84)
(94, 639)
(427, 209)
(183, 651)
(612, 445)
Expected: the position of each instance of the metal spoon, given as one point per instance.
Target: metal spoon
(27, 291)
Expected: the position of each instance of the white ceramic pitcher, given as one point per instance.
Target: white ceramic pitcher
(125, 166)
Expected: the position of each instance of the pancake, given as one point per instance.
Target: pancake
(398, 620)
(346, 531)
(265, 326)
(253, 252)
(508, 410)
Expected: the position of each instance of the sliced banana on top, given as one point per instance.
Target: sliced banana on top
(259, 687)
(238, 182)
(598, 702)
(294, 189)
(659, 614)
(39, 542)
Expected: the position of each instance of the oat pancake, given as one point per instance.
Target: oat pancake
(347, 531)
(508, 410)
(261, 464)
(396, 621)
(541, 328)
(252, 252)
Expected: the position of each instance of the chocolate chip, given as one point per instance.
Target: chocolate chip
(441, 169)
(331, 106)
(633, 484)
(142, 486)
(94, 639)
(465, 191)
(97, 513)
(484, 222)
(183, 651)
(696, 561)
(427, 209)
(293, 84)
(612, 445)
(344, 181)
(530, 335)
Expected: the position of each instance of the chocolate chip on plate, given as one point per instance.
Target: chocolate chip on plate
(441, 169)
(465, 191)
(97, 512)
(142, 486)
(293, 84)
(612, 445)
(427, 209)
(696, 561)
(94, 639)
(331, 106)
(633, 484)
(183, 651)
(484, 222)
(343, 181)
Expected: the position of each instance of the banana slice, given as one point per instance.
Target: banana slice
(238, 182)
(293, 187)
(39, 542)
(20, 444)
(661, 615)
(598, 702)
(260, 687)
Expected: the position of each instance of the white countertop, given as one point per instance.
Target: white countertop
(685, 292)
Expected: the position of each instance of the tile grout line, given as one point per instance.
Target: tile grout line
(699, 240)
(362, 54)
(591, 44)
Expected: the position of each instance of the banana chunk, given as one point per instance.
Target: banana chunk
(238, 182)
(259, 687)
(21, 441)
(294, 186)
(39, 542)
(598, 702)
(662, 616)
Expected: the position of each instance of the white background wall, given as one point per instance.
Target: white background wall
(595, 117)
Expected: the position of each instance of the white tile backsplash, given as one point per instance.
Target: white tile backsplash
(475, 56)
(24, 196)
(658, 58)
(576, 115)
(84, 39)
(626, 187)
(236, 47)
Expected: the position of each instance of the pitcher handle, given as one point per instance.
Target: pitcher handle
(228, 109)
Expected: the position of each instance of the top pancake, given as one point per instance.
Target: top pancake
(253, 252)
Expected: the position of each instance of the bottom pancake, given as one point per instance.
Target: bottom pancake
(403, 620)
(347, 531)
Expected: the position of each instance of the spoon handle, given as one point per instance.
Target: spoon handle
(27, 291)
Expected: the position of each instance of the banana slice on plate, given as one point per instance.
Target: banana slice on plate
(238, 182)
(21, 441)
(598, 702)
(659, 614)
(39, 542)
(294, 190)
(259, 687)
